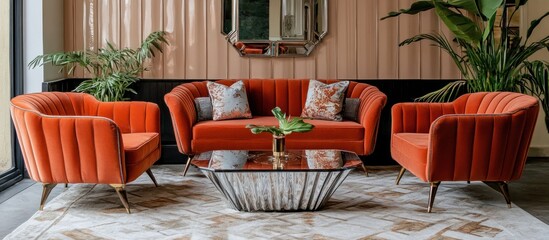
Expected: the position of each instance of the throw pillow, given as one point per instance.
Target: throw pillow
(229, 102)
(350, 109)
(325, 101)
(204, 108)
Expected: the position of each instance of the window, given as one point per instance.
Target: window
(6, 161)
(11, 164)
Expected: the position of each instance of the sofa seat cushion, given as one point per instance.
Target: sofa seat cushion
(410, 151)
(233, 134)
(236, 129)
(137, 146)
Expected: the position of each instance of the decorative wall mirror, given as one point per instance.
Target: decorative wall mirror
(274, 28)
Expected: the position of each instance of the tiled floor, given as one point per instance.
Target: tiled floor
(531, 193)
(19, 202)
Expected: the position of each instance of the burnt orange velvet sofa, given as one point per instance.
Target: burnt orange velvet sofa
(263, 95)
(478, 137)
(73, 138)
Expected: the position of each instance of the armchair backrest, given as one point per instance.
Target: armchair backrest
(493, 102)
(56, 103)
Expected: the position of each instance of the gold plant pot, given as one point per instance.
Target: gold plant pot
(279, 146)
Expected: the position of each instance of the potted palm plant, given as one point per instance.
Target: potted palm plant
(114, 70)
(488, 61)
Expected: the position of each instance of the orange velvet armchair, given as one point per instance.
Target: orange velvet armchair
(73, 138)
(478, 137)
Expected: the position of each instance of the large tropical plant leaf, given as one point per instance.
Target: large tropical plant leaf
(534, 24)
(484, 8)
(489, 28)
(462, 27)
(469, 5)
(425, 5)
(415, 8)
(488, 8)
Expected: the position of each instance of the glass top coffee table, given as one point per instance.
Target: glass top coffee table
(256, 181)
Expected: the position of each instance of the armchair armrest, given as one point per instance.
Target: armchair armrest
(76, 149)
(417, 117)
(461, 144)
(180, 102)
(131, 117)
(372, 102)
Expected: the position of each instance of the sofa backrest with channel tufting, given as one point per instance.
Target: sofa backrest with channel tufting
(265, 94)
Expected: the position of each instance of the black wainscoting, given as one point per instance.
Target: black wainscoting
(154, 91)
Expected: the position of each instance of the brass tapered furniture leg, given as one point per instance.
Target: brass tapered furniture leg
(150, 173)
(122, 195)
(46, 190)
(504, 188)
(432, 194)
(365, 170)
(188, 164)
(402, 171)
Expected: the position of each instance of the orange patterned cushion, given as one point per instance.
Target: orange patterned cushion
(325, 101)
(229, 102)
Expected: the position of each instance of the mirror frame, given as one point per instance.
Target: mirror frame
(277, 48)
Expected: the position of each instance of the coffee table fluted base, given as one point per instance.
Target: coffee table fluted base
(277, 190)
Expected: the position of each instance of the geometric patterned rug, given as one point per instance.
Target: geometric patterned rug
(362, 208)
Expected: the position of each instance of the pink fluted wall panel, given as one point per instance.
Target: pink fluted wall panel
(358, 44)
(217, 56)
(152, 12)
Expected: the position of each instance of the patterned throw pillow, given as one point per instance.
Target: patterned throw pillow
(325, 101)
(229, 102)
(204, 108)
(350, 109)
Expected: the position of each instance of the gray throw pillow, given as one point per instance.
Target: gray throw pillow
(350, 108)
(204, 108)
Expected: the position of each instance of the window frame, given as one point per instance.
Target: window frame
(17, 172)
